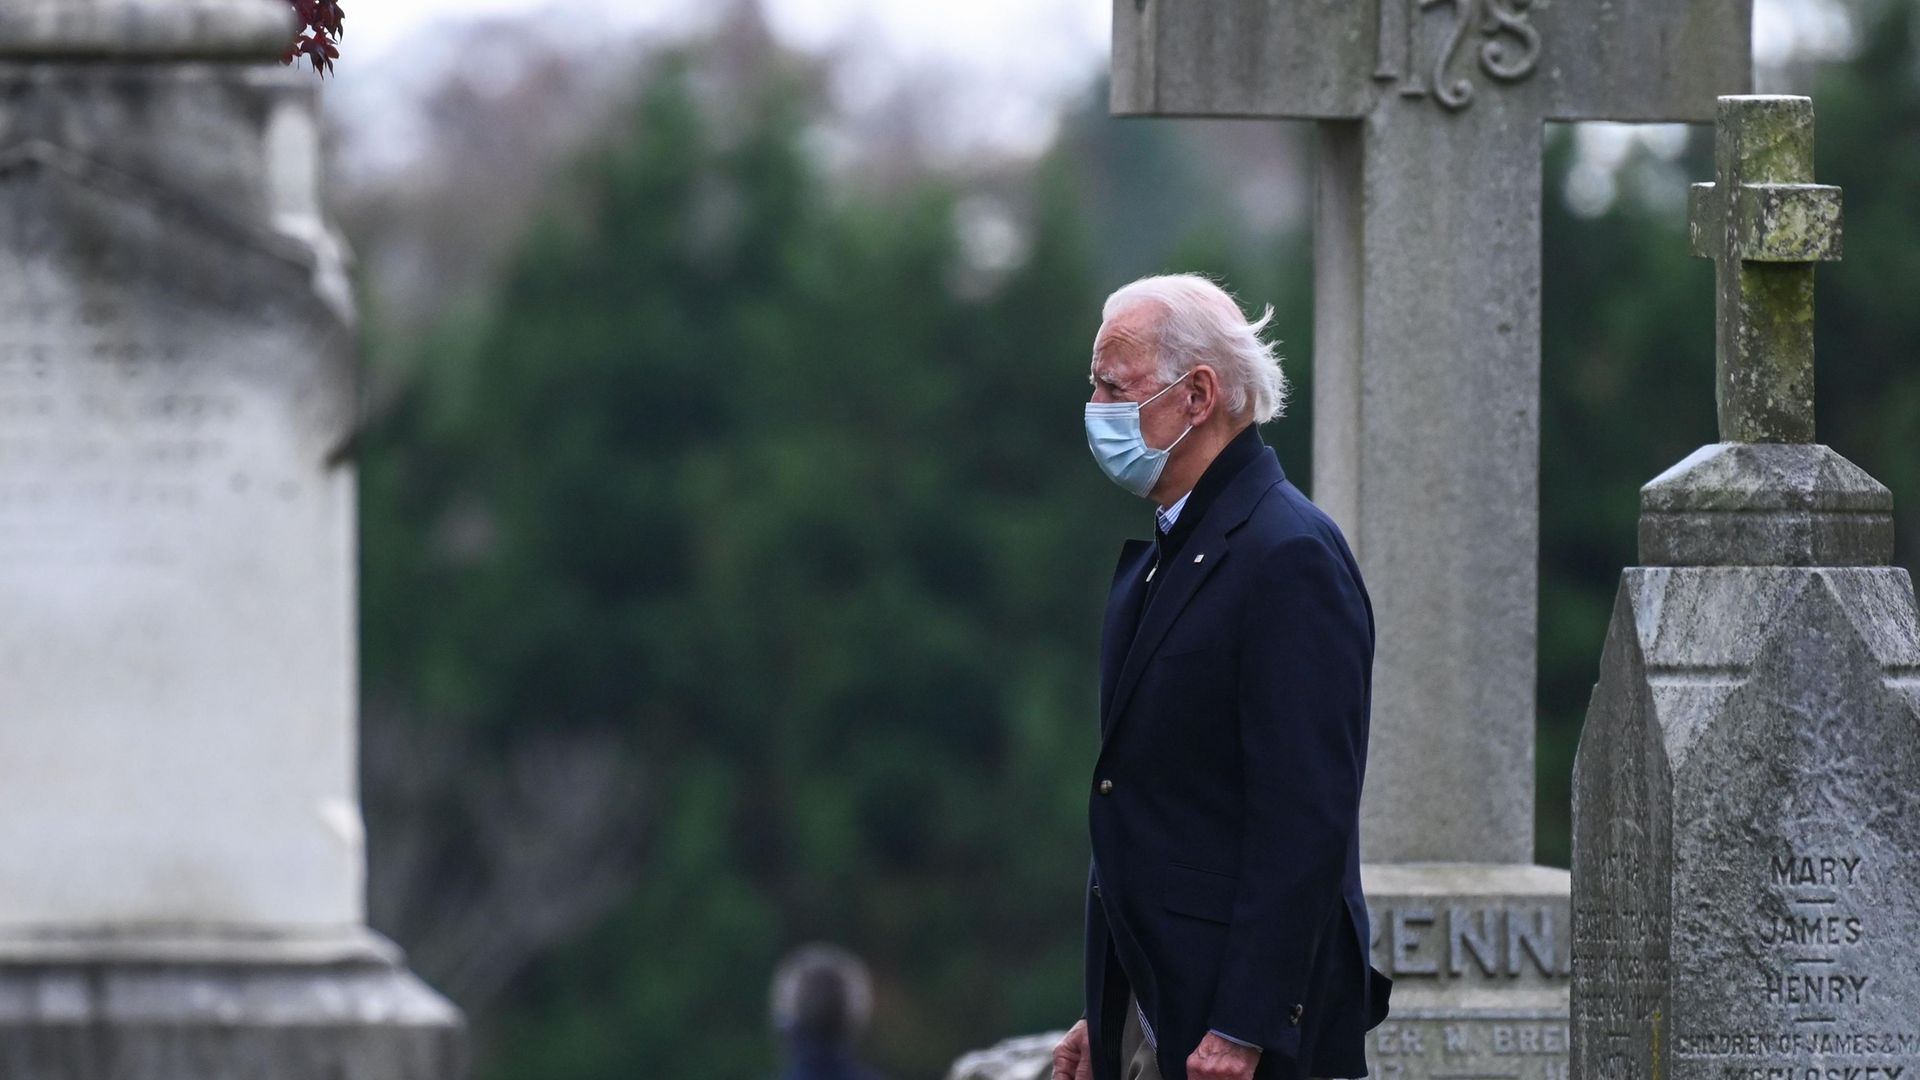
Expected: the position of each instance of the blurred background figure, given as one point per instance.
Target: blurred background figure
(822, 1001)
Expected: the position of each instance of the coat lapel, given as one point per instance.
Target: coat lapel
(1203, 553)
(1123, 614)
(1182, 580)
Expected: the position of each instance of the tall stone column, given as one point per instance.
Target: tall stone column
(182, 868)
(1746, 802)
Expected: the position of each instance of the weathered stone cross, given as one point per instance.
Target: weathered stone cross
(1767, 224)
(1427, 329)
(1748, 772)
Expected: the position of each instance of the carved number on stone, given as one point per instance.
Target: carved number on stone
(1509, 46)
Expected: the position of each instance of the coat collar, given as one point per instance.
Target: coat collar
(1220, 472)
(1206, 547)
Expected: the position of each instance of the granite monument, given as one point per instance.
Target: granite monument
(182, 868)
(1746, 797)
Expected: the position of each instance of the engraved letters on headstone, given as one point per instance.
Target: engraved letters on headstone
(1493, 37)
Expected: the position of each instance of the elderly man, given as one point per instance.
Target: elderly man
(1226, 931)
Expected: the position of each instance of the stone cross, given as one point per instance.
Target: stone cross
(1427, 329)
(1746, 797)
(1766, 224)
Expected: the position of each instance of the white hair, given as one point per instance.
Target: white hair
(1202, 323)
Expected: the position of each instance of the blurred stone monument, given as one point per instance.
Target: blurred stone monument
(1028, 1057)
(181, 859)
(1431, 116)
(1746, 798)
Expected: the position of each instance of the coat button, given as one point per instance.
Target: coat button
(1294, 1014)
(1106, 787)
(1096, 890)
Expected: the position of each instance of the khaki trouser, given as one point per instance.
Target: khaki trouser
(1136, 1057)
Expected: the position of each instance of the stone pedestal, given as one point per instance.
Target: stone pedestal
(227, 1009)
(1479, 957)
(182, 865)
(1747, 818)
(1746, 797)
(1029, 1057)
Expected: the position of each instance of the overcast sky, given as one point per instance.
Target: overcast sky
(1013, 60)
(991, 31)
(977, 28)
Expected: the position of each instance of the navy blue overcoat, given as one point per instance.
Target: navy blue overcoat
(1224, 888)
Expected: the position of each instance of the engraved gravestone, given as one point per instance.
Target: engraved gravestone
(1431, 117)
(176, 554)
(181, 859)
(1747, 791)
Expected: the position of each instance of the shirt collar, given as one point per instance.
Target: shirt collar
(1167, 516)
(1241, 449)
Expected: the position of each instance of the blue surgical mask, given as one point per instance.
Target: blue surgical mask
(1113, 434)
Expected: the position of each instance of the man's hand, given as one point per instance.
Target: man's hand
(1215, 1059)
(1073, 1060)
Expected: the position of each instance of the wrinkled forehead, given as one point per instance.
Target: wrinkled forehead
(1124, 348)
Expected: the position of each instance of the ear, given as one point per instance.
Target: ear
(1203, 395)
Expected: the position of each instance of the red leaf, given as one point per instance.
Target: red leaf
(320, 26)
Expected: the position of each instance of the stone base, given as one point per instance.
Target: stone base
(1479, 956)
(367, 1018)
(1029, 1057)
(1470, 1044)
(1746, 812)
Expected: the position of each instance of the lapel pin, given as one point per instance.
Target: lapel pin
(1197, 558)
(1151, 569)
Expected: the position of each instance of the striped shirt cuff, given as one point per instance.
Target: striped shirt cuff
(1234, 1041)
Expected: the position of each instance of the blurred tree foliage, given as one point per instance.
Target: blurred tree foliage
(779, 489)
(766, 494)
